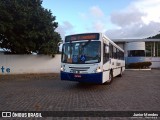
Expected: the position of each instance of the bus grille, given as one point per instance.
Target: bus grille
(79, 69)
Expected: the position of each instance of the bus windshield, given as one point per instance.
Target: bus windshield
(81, 52)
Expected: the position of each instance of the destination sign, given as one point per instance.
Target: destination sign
(89, 36)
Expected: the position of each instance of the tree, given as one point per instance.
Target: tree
(155, 37)
(26, 27)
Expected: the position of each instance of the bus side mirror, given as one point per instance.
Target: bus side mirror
(60, 47)
(106, 49)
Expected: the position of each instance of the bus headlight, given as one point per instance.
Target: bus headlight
(98, 70)
(62, 69)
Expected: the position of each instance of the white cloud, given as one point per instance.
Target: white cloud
(151, 7)
(95, 20)
(138, 20)
(96, 12)
(99, 26)
(65, 28)
(93, 13)
(138, 30)
(94, 16)
(127, 17)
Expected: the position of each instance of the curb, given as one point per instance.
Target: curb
(138, 69)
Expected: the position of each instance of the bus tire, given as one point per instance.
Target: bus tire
(120, 75)
(110, 78)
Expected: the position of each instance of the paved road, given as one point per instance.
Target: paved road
(134, 91)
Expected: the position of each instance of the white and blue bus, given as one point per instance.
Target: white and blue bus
(91, 58)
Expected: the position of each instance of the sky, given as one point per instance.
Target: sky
(117, 19)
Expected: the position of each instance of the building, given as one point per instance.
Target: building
(140, 50)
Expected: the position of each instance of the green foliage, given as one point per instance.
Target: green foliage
(140, 65)
(155, 37)
(26, 27)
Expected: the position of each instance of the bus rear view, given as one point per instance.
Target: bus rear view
(82, 58)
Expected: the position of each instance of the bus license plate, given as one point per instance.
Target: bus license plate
(77, 76)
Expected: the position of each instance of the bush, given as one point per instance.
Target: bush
(139, 65)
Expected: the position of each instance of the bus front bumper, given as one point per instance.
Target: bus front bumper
(88, 78)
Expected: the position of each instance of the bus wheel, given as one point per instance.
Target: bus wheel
(110, 78)
(120, 75)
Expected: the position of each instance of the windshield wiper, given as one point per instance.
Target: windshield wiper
(86, 43)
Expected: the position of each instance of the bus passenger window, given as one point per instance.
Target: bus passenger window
(105, 55)
(110, 50)
(114, 52)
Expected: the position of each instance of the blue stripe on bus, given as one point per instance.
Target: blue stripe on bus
(88, 78)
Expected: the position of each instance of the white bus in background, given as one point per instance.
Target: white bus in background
(91, 58)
